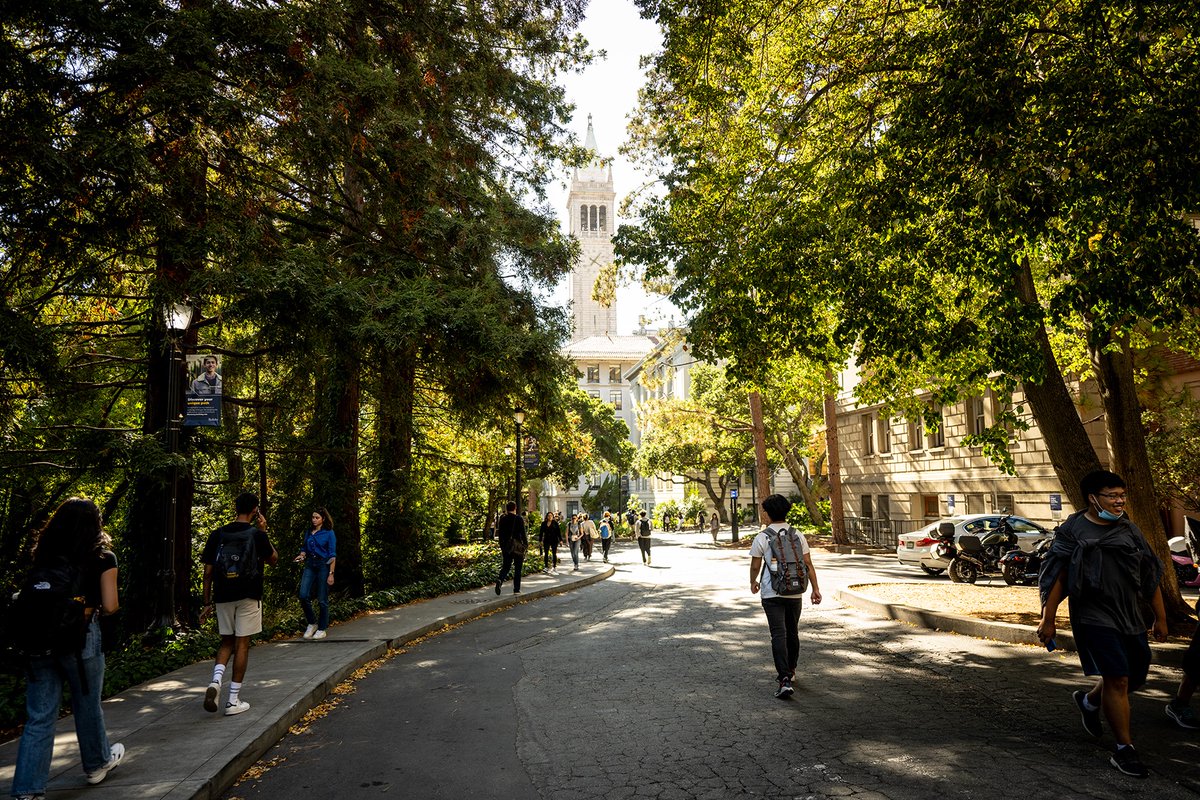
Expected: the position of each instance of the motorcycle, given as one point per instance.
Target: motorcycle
(1183, 559)
(978, 556)
(1017, 566)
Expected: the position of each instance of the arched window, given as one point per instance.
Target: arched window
(603, 218)
(593, 218)
(583, 218)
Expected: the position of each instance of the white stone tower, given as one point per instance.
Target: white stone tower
(591, 207)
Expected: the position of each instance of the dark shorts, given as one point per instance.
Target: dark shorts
(1107, 653)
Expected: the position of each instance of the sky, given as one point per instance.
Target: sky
(608, 91)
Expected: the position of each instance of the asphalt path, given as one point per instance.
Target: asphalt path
(657, 683)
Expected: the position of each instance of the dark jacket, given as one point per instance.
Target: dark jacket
(1084, 561)
(511, 527)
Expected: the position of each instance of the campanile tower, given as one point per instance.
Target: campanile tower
(591, 207)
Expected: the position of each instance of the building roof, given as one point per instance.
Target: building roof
(621, 348)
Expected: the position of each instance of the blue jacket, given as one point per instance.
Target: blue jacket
(321, 545)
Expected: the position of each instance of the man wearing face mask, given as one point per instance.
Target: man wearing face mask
(1101, 562)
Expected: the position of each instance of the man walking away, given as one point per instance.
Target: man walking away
(511, 531)
(783, 612)
(643, 537)
(233, 561)
(587, 530)
(1101, 561)
(606, 534)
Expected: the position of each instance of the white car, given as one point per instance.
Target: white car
(916, 549)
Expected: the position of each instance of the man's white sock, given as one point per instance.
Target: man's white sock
(234, 688)
(218, 673)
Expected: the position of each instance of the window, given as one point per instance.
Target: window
(930, 507)
(615, 399)
(885, 435)
(975, 504)
(593, 374)
(592, 217)
(1000, 408)
(1005, 504)
(868, 433)
(614, 374)
(583, 218)
(867, 512)
(976, 419)
(603, 218)
(883, 506)
(915, 434)
(595, 393)
(938, 437)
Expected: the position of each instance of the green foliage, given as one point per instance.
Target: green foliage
(1174, 448)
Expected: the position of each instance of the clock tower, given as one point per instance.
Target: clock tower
(591, 207)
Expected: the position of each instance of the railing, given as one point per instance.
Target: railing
(879, 532)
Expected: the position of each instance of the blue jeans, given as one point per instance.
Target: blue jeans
(315, 580)
(575, 552)
(43, 697)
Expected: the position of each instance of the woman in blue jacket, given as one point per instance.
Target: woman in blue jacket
(319, 555)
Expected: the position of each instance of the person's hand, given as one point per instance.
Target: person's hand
(815, 597)
(1046, 630)
(329, 580)
(206, 612)
(299, 557)
(1160, 630)
(260, 521)
(753, 586)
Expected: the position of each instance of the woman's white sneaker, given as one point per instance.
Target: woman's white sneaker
(117, 752)
(309, 631)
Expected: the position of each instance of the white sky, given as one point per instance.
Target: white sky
(608, 91)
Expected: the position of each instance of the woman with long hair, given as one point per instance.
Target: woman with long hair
(319, 555)
(550, 534)
(73, 541)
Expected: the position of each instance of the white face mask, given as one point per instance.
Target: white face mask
(1105, 514)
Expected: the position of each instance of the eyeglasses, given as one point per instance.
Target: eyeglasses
(1116, 498)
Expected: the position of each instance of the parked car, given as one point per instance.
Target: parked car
(916, 549)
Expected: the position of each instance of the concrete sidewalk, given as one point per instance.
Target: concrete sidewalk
(175, 749)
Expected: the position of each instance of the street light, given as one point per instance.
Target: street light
(177, 318)
(519, 416)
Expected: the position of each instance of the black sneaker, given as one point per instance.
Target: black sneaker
(1091, 719)
(1126, 759)
(785, 689)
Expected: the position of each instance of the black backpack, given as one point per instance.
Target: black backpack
(237, 557)
(644, 527)
(791, 575)
(47, 616)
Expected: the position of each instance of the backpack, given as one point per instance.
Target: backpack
(644, 527)
(790, 578)
(237, 557)
(47, 616)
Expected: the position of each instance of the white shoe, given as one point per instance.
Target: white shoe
(236, 708)
(320, 634)
(210, 697)
(117, 752)
(309, 631)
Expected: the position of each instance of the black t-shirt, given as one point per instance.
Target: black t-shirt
(227, 593)
(93, 568)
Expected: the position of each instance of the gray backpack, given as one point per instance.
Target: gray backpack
(790, 577)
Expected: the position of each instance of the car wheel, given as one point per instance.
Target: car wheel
(931, 571)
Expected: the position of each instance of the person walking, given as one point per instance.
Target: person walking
(714, 525)
(783, 613)
(234, 557)
(587, 532)
(550, 534)
(513, 542)
(643, 537)
(72, 545)
(319, 556)
(1179, 709)
(606, 534)
(1106, 620)
(700, 517)
(574, 536)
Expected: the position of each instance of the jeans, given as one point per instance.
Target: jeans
(315, 580)
(516, 563)
(43, 697)
(550, 555)
(783, 618)
(605, 544)
(644, 545)
(587, 548)
(575, 553)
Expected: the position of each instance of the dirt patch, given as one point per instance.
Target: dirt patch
(997, 602)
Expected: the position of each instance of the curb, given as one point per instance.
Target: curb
(1169, 655)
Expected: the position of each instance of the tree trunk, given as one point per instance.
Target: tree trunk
(801, 477)
(391, 526)
(837, 514)
(717, 499)
(762, 473)
(1127, 446)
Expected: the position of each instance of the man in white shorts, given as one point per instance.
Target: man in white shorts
(233, 579)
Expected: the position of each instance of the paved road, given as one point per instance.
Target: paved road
(657, 684)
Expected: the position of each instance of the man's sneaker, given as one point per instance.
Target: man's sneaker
(785, 689)
(497, 587)
(210, 697)
(1184, 716)
(1126, 759)
(309, 631)
(29, 797)
(320, 634)
(236, 708)
(117, 752)
(1091, 719)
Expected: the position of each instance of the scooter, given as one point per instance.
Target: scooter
(1183, 559)
(981, 556)
(1017, 566)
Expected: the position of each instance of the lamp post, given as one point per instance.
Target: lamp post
(177, 317)
(519, 416)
